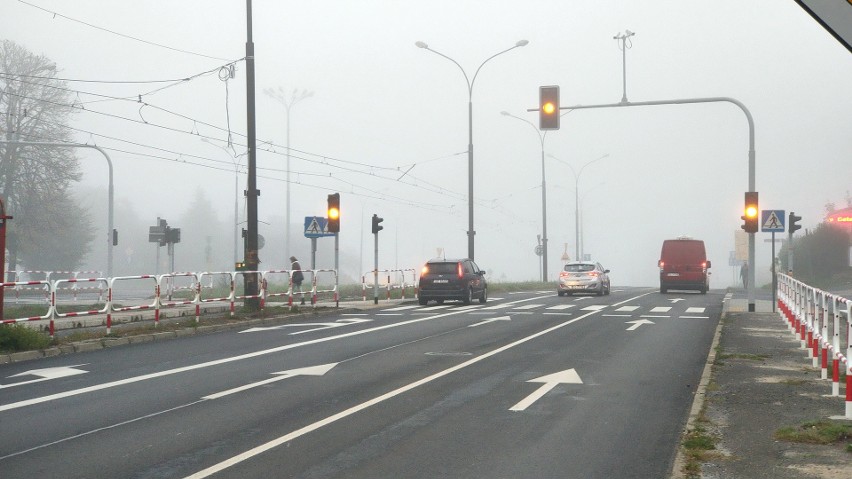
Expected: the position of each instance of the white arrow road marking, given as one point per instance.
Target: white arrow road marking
(336, 324)
(675, 300)
(309, 371)
(569, 376)
(489, 320)
(46, 375)
(637, 323)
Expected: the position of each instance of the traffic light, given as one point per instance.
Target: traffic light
(376, 226)
(750, 221)
(334, 213)
(793, 223)
(548, 107)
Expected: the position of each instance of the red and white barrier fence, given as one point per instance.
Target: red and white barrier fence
(157, 291)
(389, 280)
(819, 319)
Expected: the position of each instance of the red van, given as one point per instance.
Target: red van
(683, 265)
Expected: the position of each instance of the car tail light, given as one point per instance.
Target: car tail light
(593, 273)
(661, 264)
(704, 266)
(461, 271)
(425, 270)
(564, 274)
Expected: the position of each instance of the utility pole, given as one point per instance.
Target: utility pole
(252, 260)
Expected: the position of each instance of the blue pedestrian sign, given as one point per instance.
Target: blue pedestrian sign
(316, 227)
(772, 221)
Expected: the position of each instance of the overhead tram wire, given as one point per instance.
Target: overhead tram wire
(179, 50)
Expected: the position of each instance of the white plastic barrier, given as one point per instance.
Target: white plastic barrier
(305, 274)
(170, 279)
(315, 291)
(57, 285)
(45, 285)
(390, 279)
(819, 318)
(268, 275)
(111, 309)
(230, 298)
(259, 295)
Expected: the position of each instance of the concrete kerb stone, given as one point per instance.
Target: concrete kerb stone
(188, 330)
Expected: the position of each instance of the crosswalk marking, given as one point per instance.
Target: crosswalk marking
(595, 307)
(432, 308)
(561, 306)
(661, 309)
(529, 306)
(401, 308)
(498, 306)
(627, 309)
(694, 310)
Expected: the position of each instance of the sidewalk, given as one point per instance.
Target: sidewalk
(761, 381)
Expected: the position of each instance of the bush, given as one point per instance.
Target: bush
(17, 337)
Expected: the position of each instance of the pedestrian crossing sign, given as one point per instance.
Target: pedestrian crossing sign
(316, 227)
(772, 221)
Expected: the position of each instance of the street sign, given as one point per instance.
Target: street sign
(156, 234)
(316, 227)
(772, 221)
(539, 250)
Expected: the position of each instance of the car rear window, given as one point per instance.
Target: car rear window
(579, 268)
(443, 268)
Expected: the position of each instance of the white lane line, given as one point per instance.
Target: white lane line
(694, 310)
(661, 309)
(512, 303)
(402, 308)
(616, 315)
(627, 309)
(561, 306)
(694, 317)
(216, 468)
(529, 306)
(193, 367)
(653, 316)
(596, 307)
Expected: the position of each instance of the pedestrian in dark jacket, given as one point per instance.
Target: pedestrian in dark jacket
(297, 276)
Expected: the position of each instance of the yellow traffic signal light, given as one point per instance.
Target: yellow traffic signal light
(333, 213)
(751, 210)
(548, 108)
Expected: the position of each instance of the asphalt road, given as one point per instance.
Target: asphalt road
(527, 385)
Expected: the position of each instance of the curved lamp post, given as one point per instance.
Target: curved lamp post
(470, 82)
(541, 136)
(577, 200)
(288, 101)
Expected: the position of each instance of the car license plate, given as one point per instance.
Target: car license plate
(672, 274)
(441, 281)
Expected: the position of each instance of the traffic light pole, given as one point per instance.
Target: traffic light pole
(376, 268)
(751, 158)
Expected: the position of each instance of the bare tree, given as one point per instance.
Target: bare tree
(34, 180)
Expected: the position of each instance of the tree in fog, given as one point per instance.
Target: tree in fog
(50, 229)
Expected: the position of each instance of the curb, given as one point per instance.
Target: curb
(700, 397)
(191, 330)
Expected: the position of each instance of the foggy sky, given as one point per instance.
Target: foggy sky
(381, 105)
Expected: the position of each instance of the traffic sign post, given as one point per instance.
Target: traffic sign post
(772, 221)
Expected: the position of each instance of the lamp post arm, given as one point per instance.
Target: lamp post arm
(486, 61)
(466, 79)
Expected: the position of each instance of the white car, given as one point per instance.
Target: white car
(583, 277)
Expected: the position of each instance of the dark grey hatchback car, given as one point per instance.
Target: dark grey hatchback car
(452, 279)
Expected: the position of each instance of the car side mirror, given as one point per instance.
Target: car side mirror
(708, 263)
(481, 273)
(606, 271)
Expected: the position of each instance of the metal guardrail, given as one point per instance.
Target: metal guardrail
(819, 319)
(162, 287)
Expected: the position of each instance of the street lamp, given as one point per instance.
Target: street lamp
(470, 82)
(577, 200)
(236, 194)
(541, 136)
(288, 101)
